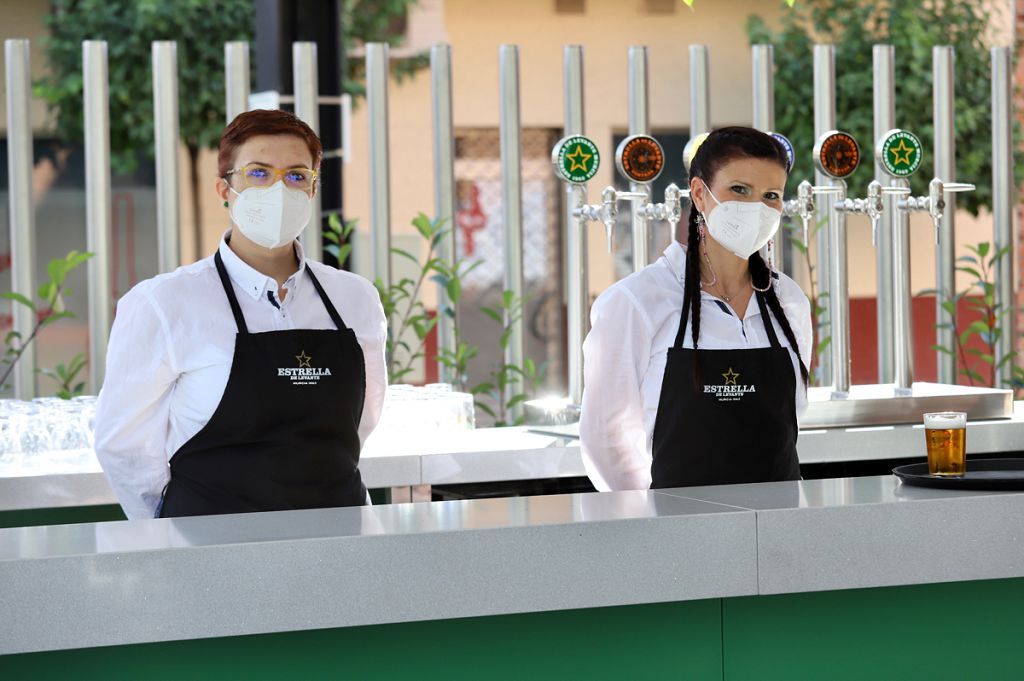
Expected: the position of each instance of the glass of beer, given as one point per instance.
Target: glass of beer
(945, 433)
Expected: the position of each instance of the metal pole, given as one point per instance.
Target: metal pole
(839, 300)
(377, 56)
(700, 92)
(167, 141)
(639, 124)
(1003, 200)
(577, 291)
(763, 69)
(884, 58)
(444, 189)
(96, 93)
(763, 59)
(22, 212)
(512, 200)
(902, 298)
(307, 107)
(236, 78)
(943, 60)
(824, 120)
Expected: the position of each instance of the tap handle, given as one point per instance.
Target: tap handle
(896, 191)
(958, 187)
(875, 208)
(609, 209)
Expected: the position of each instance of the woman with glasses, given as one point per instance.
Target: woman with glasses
(248, 380)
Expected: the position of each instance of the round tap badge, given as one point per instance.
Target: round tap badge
(836, 154)
(787, 146)
(899, 152)
(640, 158)
(575, 159)
(690, 150)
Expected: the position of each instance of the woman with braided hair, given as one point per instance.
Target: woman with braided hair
(695, 366)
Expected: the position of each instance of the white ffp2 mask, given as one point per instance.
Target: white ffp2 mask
(271, 216)
(743, 227)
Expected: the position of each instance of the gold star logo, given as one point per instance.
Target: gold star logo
(580, 164)
(730, 377)
(304, 360)
(901, 154)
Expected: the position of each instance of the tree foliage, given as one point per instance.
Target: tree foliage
(376, 21)
(200, 27)
(913, 27)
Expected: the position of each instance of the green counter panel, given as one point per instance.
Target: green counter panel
(660, 641)
(61, 516)
(959, 631)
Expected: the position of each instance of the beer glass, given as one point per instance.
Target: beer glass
(946, 436)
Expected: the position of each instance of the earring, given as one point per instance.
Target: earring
(225, 204)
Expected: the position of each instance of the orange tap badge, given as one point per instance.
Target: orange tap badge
(837, 154)
(640, 158)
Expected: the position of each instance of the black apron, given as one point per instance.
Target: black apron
(285, 434)
(738, 425)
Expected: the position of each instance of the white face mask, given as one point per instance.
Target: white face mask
(271, 216)
(743, 227)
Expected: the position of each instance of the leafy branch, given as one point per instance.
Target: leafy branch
(979, 364)
(51, 294)
(523, 380)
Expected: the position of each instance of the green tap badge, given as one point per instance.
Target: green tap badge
(899, 152)
(575, 159)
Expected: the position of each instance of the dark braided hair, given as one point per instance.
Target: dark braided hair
(722, 146)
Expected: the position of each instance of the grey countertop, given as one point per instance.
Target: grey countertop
(101, 584)
(500, 454)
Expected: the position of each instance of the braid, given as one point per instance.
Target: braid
(762, 278)
(692, 288)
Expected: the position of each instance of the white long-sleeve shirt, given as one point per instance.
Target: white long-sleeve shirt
(170, 354)
(633, 324)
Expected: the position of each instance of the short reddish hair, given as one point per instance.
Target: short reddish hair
(264, 122)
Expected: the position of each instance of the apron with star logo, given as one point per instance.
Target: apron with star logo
(736, 423)
(285, 434)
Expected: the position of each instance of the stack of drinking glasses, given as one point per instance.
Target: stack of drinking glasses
(47, 435)
(414, 412)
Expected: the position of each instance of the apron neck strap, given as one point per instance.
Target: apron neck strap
(236, 310)
(766, 319)
(331, 310)
(769, 328)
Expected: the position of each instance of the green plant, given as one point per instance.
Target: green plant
(339, 235)
(51, 295)
(508, 384)
(402, 304)
(979, 364)
(65, 376)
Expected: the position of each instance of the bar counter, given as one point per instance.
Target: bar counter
(864, 575)
(491, 455)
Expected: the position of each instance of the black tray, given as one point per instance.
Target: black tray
(1007, 474)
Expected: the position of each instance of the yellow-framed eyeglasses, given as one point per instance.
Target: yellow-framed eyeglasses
(258, 175)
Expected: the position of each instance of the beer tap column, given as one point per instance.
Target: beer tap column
(898, 154)
(576, 159)
(837, 156)
(640, 160)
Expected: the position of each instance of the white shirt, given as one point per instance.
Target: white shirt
(634, 323)
(170, 354)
